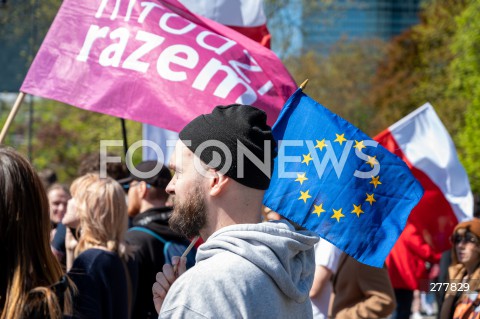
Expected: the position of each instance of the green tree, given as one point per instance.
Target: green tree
(65, 135)
(466, 85)
(23, 25)
(437, 61)
(342, 80)
(415, 70)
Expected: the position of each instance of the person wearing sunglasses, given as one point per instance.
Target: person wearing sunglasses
(462, 298)
(154, 241)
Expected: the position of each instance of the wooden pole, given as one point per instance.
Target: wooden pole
(30, 129)
(11, 116)
(185, 253)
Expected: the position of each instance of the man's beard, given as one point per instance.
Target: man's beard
(189, 216)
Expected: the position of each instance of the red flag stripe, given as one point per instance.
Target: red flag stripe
(433, 214)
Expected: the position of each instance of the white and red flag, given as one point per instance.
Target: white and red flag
(244, 16)
(154, 62)
(423, 142)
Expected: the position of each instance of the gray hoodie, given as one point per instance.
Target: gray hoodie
(247, 271)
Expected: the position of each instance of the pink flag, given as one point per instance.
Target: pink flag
(422, 141)
(153, 62)
(244, 16)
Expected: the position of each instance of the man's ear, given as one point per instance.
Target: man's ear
(218, 182)
(142, 189)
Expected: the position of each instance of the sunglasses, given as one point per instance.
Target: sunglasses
(468, 238)
(128, 186)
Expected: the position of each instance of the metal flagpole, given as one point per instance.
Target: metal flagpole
(124, 134)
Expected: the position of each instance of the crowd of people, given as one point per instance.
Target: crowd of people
(110, 247)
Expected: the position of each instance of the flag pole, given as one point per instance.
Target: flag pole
(304, 84)
(11, 116)
(185, 253)
(124, 135)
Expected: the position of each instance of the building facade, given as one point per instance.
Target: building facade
(356, 19)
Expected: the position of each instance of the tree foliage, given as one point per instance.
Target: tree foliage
(64, 136)
(415, 70)
(437, 61)
(342, 80)
(23, 25)
(466, 85)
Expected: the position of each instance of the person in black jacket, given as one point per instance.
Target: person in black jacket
(154, 242)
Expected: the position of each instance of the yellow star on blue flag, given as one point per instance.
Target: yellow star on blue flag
(338, 168)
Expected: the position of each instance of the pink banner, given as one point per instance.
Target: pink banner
(153, 62)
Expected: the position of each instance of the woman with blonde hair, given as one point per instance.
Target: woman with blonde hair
(99, 269)
(32, 283)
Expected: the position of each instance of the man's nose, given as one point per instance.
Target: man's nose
(170, 189)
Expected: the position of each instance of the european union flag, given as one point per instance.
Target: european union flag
(333, 179)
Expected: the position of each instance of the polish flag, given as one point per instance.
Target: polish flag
(423, 142)
(244, 16)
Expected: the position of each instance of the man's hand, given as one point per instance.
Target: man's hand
(166, 278)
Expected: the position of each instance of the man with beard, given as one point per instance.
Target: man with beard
(154, 242)
(244, 269)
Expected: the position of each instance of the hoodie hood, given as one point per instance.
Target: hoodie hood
(284, 254)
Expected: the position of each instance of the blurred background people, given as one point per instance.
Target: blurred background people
(32, 283)
(90, 164)
(268, 214)
(446, 260)
(327, 257)
(48, 177)
(408, 270)
(462, 299)
(100, 271)
(361, 291)
(58, 196)
(153, 240)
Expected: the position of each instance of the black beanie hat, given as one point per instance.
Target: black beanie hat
(227, 124)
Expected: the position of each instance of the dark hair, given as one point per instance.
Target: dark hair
(48, 177)
(158, 182)
(91, 164)
(28, 267)
(57, 186)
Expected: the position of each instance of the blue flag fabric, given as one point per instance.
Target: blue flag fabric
(333, 179)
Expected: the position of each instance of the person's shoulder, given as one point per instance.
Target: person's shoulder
(59, 238)
(222, 267)
(182, 311)
(154, 234)
(195, 293)
(136, 235)
(142, 238)
(97, 253)
(96, 258)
